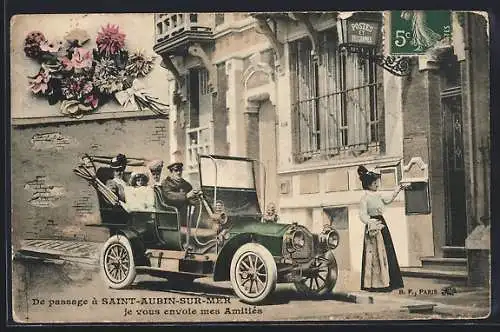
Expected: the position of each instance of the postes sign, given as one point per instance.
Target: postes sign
(363, 33)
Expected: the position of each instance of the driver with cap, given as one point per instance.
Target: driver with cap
(177, 191)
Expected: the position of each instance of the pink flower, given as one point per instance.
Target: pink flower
(81, 58)
(110, 40)
(67, 65)
(39, 83)
(92, 100)
(76, 87)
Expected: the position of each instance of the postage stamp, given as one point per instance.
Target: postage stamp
(414, 32)
(249, 167)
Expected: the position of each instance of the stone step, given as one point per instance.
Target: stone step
(444, 264)
(454, 252)
(419, 272)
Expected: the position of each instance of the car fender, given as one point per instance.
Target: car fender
(223, 262)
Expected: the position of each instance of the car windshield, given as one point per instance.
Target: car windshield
(231, 173)
(235, 184)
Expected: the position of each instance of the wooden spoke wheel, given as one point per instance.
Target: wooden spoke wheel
(253, 273)
(117, 262)
(321, 277)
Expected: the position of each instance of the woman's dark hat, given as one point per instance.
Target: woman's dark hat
(175, 166)
(368, 174)
(119, 162)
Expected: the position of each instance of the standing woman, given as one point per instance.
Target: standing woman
(380, 269)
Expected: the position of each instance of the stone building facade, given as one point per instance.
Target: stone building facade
(274, 87)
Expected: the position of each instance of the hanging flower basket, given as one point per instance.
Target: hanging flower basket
(83, 79)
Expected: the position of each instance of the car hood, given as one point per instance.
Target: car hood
(271, 229)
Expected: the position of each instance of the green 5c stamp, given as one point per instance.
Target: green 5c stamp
(413, 32)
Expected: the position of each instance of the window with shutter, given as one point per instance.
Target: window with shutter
(335, 100)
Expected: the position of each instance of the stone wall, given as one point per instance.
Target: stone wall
(48, 199)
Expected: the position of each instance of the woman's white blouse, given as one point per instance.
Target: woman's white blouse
(140, 198)
(372, 204)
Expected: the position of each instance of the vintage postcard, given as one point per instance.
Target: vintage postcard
(250, 166)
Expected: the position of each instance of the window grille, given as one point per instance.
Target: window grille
(335, 100)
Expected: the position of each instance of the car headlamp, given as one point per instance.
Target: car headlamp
(295, 239)
(298, 239)
(329, 238)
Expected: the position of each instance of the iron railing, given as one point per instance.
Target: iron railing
(169, 25)
(199, 141)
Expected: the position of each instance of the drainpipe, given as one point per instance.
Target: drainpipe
(471, 137)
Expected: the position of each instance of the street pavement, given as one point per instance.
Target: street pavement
(69, 271)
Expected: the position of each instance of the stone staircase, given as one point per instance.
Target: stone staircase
(452, 267)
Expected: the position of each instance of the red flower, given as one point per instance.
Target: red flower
(110, 40)
(92, 100)
(32, 44)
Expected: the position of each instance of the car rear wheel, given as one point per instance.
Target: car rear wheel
(253, 273)
(321, 277)
(117, 262)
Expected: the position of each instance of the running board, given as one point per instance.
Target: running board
(179, 262)
(160, 271)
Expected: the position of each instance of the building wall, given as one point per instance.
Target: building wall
(307, 189)
(411, 128)
(479, 71)
(48, 199)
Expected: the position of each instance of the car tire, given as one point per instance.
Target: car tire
(117, 262)
(324, 282)
(253, 268)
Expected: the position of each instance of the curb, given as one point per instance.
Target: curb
(353, 297)
(413, 305)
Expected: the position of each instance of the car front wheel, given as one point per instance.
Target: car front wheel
(117, 262)
(253, 273)
(321, 276)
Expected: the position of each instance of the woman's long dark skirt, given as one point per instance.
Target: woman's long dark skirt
(395, 277)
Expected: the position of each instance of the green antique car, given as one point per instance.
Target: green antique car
(226, 241)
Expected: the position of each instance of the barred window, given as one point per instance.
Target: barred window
(336, 107)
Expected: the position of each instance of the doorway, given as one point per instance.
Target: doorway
(453, 156)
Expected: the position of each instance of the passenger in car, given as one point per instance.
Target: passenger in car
(117, 183)
(139, 179)
(140, 196)
(155, 168)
